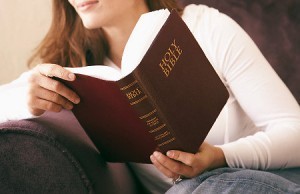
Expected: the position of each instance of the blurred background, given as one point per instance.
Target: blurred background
(22, 26)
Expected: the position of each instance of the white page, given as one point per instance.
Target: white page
(138, 43)
(141, 38)
(99, 71)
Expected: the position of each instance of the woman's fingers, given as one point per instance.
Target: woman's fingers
(49, 97)
(53, 70)
(156, 162)
(57, 87)
(41, 105)
(194, 161)
(175, 167)
(47, 94)
(184, 157)
(189, 165)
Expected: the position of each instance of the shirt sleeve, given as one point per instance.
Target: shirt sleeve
(259, 91)
(13, 99)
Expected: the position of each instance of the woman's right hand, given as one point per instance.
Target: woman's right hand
(47, 94)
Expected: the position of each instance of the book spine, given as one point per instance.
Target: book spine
(148, 113)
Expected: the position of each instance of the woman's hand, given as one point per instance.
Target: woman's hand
(47, 94)
(177, 163)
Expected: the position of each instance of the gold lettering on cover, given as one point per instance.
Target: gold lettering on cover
(139, 100)
(129, 85)
(167, 142)
(148, 114)
(157, 129)
(170, 58)
(152, 122)
(133, 93)
(163, 135)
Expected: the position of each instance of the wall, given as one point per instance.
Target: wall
(22, 25)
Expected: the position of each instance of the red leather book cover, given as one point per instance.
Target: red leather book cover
(110, 122)
(170, 101)
(175, 89)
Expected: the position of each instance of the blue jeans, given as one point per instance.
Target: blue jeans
(241, 181)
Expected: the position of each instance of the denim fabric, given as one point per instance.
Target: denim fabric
(230, 180)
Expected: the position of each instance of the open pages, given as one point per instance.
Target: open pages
(138, 43)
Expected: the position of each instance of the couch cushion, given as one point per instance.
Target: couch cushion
(42, 156)
(32, 161)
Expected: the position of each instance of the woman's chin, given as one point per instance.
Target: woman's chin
(90, 26)
(90, 23)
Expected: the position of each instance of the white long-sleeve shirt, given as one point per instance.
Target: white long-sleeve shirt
(259, 127)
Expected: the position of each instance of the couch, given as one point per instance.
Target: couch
(39, 157)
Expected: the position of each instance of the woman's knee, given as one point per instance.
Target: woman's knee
(231, 180)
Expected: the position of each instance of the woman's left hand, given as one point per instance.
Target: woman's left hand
(176, 164)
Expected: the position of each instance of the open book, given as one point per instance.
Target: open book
(166, 96)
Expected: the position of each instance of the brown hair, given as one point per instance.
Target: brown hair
(69, 44)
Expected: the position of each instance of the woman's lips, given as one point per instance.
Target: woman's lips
(85, 5)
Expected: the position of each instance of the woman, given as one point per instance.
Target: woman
(257, 129)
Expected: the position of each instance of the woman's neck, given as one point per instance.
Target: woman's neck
(117, 39)
(117, 35)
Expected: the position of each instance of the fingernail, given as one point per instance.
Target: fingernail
(170, 154)
(156, 154)
(77, 100)
(71, 76)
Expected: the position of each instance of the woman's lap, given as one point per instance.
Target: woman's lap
(231, 180)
